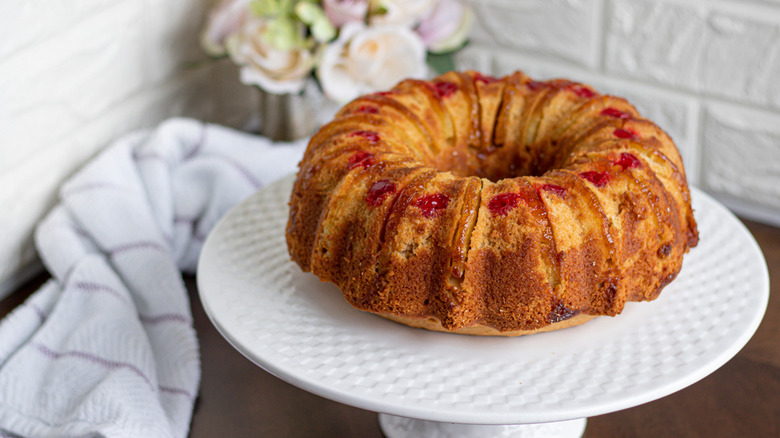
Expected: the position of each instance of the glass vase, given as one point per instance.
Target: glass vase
(291, 116)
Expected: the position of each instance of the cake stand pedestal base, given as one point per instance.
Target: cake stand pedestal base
(401, 427)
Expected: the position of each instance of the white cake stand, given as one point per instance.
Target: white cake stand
(443, 385)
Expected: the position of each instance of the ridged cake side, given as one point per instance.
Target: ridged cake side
(489, 205)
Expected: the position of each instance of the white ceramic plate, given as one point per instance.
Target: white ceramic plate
(303, 331)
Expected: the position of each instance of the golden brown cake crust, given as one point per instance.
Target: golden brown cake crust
(491, 206)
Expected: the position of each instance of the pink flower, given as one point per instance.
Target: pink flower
(225, 19)
(405, 13)
(341, 12)
(446, 26)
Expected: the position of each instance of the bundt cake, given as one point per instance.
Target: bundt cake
(491, 206)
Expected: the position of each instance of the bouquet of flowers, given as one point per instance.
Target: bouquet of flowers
(352, 47)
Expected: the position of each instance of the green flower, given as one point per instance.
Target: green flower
(293, 23)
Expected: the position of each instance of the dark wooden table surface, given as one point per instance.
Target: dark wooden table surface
(238, 399)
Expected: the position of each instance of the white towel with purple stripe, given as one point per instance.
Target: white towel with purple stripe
(107, 347)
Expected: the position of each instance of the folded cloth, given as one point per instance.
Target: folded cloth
(107, 347)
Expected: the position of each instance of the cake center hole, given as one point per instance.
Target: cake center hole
(497, 162)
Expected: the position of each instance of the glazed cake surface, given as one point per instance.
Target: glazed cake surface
(491, 206)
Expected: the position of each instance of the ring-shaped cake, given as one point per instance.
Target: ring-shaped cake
(491, 206)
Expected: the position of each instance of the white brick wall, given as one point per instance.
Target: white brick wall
(742, 157)
(707, 71)
(76, 75)
(570, 27)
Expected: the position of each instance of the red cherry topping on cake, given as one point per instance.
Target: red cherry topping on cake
(371, 136)
(503, 203)
(625, 133)
(628, 161)
(582, 91)
(616, 113)
(384, 93)
(479, 77)
(598, 179)
(445, 89)
(360, 158)
(378, 191)
(367, 109)
(561, 312)
(535, 85)
(431, 205)
(558, 190)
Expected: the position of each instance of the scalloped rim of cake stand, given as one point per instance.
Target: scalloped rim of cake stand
(302, 331)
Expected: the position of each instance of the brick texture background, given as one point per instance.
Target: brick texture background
(75, 75)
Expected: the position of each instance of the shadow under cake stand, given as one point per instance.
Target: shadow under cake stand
(442, 385)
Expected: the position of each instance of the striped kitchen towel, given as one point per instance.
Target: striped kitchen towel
(107, 347)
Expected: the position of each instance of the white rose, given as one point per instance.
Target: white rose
(369, 59)
(225, 19)
(274, 70)
(401, 12)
